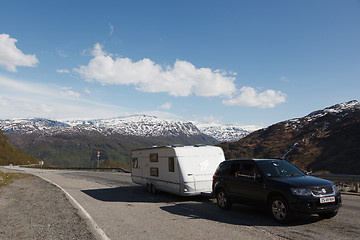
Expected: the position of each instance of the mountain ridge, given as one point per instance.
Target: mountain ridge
(136, 125)
(324, 140)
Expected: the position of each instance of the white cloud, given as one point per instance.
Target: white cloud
(4, 101)
(160, 114)
(11, 56)
(111, 29)
(11, 87)
(166, 106)
(20, 99)
(46, 108)
(61, 53)
(62, 71)
(87, 91)
(67, 91)
(250, 98)
(284, 79)
(183, 79)
(206, 119)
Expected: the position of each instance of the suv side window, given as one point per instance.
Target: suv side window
(248, 170)
(235, 168)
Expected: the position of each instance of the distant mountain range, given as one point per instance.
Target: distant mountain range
(325, 140)
(139, 125)
(75, 142)
(226, 133)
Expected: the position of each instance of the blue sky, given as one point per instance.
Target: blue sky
(247, 62)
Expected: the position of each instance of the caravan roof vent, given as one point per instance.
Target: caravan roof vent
(200, 145)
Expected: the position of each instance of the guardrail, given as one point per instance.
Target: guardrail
(81, 168)
(341, 178)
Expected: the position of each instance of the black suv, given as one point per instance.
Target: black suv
(276, 184)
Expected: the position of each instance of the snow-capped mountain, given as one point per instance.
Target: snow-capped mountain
(134, 125)
(339, 110)
(139, 125)
(225, 133)
(31, 125)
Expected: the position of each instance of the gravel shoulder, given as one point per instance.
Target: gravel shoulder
(32, 208)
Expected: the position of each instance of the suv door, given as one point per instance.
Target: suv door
(249, 185)
(231, 181)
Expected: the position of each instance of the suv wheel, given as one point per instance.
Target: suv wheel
(280, 210)
(222, 200)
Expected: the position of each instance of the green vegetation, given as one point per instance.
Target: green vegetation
(7, 178)
(11, 155)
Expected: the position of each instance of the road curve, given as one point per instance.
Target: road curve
(125, 210)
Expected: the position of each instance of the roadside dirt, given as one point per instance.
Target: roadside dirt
(31, 208)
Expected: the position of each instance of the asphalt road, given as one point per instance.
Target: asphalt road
(126, 210)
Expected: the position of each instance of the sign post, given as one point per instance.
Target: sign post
(98, 156)
(41, 163)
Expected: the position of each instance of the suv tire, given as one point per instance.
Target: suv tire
(280, 210)
(222, 200)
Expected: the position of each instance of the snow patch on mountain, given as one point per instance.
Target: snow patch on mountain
(30, 125)
(226, 133)
(339, 110)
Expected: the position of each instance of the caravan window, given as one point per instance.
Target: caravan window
(154, 172)
(171, 161)
(135, 163)
(153, 157)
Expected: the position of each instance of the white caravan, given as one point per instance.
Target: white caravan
(181, 170)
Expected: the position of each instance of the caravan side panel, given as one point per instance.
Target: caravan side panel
(156, 166)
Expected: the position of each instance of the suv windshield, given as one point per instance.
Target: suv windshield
(279, 168)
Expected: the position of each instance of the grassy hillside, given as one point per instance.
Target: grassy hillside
(9, 154)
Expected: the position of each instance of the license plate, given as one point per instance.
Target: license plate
(327, 199)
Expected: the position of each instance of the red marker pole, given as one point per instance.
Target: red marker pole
(98, 156)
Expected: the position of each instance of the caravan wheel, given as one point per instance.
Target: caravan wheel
(153, 189)
(149, 187)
